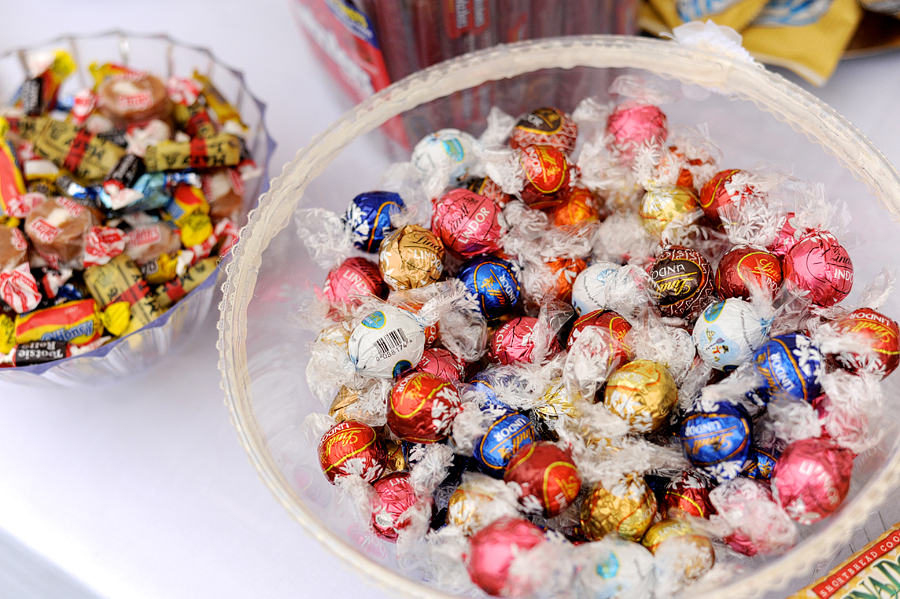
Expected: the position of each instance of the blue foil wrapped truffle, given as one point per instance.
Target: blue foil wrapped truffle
(760, 464)
(716, 439)
(369, 218)
(504, 437)
(493, 283)
(790, 366)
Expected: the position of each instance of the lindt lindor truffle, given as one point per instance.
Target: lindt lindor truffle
(610, 321)
(441, 363)
(791, 367)
(545, 127)
(493, 283)
(411, 257)
(466, 223)
(447, 150)
(880, 333)
(643, 393)
(687, 495)
(504, 437)
(743, 265)
(680, 282)
(660, 206)
(579, 207)
(682, 553)
(548, 477)
(819, 265)
(717, 439)
(627, 508)
(491, 553)
(812, 478)
(719, 192)
(352, 280)
(369, 218)
(394, 495)
(351, 447)
(515, 341)
(728, 333)
(546, 176)
(421, 408)
(591, 288)
(614, 567)
(386, 343)
(633, 124)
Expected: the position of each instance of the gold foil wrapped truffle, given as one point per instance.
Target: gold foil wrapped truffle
(627, 508)
(643, 393)
(661, 205)
(411, 257)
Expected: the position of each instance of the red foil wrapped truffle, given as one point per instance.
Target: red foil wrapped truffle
(819, 264)
(442, 363)
(633, 124)
(715, 193)
(744, 264)
(786, 238)
(514, 342)
(681, 282)
(352, 280)
(687, 495)
(611, 321)
(883, 337)
(395, 495)
(546, 176)
(491, 553)
(812, 478)
(545, 127)
(467, 223)
(421, 408)
(351, 447)
(549, 479)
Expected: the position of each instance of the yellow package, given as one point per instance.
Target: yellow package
(808, 39)
(730, 13)
(872, 572)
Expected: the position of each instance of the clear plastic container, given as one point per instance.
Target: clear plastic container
(162, 56)
(761, 117)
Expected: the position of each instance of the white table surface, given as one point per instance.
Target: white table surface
(141, 489)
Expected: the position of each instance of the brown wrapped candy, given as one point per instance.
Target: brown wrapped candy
(626, 508)
(148, 242)
(224, 190)
(133, 98)
(56, 228)
(13, 248)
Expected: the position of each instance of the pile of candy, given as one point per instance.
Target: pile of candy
(605, 362)
(115, 203)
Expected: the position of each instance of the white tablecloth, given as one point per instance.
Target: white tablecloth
(141, 489)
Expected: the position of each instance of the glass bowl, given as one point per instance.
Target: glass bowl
(758, 116)
(163, 56)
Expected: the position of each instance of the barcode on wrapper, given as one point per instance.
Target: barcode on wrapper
(391, 343)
